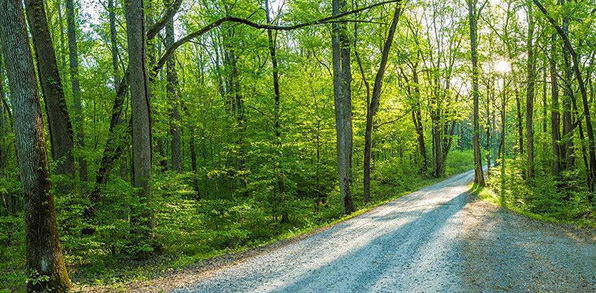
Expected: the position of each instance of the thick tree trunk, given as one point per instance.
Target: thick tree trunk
(60, 126)
(478, 172)
(343, 116)
(141, 115)
(531, 67)
(374, 101)
(44, 256)
(172, 94)
(76, 89)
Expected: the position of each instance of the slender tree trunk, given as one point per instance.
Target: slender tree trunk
(74, 79)
(342, 116)
(277, 113)
(172, 93)
(417, 119)
(193, 162)
(520, 121)
(141, 115)
(44, 256)
(61, 135)
(374, 102)
(530, 94)
(488, 137)
(555, 114)
(478, 172)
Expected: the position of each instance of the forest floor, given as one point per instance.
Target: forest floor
(440, 238)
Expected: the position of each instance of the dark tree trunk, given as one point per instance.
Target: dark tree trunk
(417, 119)
(61, 135)
(141, 115)
(44, 256)
(374, 101)
(478, 172)
(281, 187)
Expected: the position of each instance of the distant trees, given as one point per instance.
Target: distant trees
(45, 263)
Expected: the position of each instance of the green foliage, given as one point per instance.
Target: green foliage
(562, 199)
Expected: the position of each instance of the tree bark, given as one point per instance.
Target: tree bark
(60, 126)
(343, 116)
(76, 89)
(44, 257)
(472, 16)
(141, 115)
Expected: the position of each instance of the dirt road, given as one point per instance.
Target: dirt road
(438, 239)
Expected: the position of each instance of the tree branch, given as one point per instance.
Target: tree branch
(170, 51)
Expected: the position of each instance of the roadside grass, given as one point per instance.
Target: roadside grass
(492, 195)
(191, 232)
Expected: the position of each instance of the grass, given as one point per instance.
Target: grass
(490, 195)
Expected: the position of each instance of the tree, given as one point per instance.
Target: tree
(172, 93)
(473, 13)
(76, 88)
(51, 85)
(343, 108)
(141, 115)
(530, 93)
(281, 187)
(45, 262)
(373, 106)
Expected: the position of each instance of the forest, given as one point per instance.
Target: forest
(139, 137)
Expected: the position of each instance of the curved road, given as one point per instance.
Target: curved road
(437, 239)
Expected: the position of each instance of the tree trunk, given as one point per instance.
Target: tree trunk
(44, 256)
(374, 101)
(417, 119)
(281, 187)
(530, 94)
(342, 114)
(172, 95)
(141, 115)
(555, 114)
(520, 121)
(478, 172)
(76, 90)
(61, 135)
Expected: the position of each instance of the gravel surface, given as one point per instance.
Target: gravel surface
(438, 239)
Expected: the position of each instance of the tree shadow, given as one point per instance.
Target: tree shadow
(389, 260)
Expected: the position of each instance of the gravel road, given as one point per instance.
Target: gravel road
(438, 239)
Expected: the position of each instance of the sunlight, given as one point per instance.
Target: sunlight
(502, 66)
